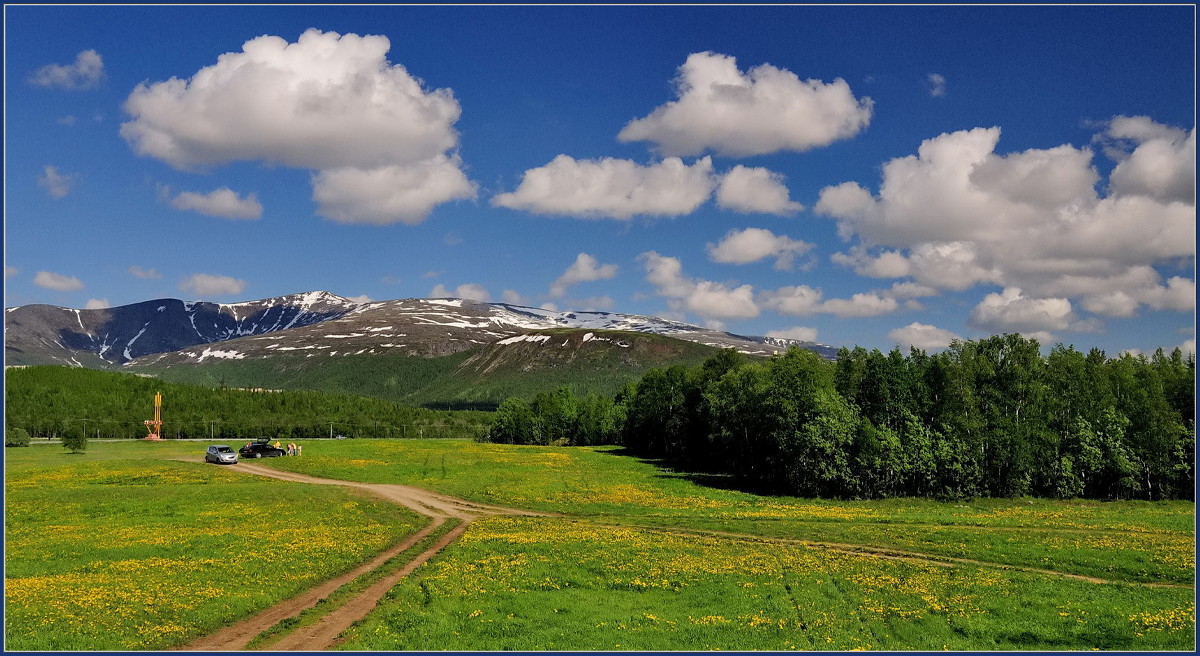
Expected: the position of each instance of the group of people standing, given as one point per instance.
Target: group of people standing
(293, 449)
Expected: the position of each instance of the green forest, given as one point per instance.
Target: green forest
(988, 418)
(53, 402)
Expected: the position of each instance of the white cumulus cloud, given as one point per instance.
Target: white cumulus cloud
(958, 213)
(796, 300)
(1162, 164)
(58, 185)
(886, 264)
(1112, 304)
(96, 304)
(513, 297)
(585, 268)
(755, 191)
(713, 300)
(802, 300)
(1123, 294)
(57, 281)
(145, 274)
(207, 284)
(754, 244)
(223, 202)
(710, 300)
(910, 290)
(763, 110)
(1013, 311)
(923, 336)
(1043, 337)
(390, 194)
(85, 72)
(957, 188)
(611, 188)
(328, 102)
(1178, 294)
(860, 305)
(469, 291)
(799, 333)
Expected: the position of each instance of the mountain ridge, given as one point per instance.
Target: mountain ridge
(163, 331)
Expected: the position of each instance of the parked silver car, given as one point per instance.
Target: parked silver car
(221, 454)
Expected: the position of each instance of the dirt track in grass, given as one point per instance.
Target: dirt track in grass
(322, 634)
(898, 554)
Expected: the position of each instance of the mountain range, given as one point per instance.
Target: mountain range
(313, 338)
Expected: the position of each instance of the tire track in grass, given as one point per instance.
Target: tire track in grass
(898, 554)
(322, 634)
(265, 639)
(325, 632)
(235, 637)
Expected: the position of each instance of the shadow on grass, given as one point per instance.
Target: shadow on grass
(669, 469)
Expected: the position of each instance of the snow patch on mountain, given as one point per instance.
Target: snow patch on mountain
(524, 338)
(224, 355)
(302, 322)
(129, 344)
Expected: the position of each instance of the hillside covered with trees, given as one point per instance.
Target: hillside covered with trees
(992, 417)
(53, 401)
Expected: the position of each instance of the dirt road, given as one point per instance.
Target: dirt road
(441, 508)
(322, 634)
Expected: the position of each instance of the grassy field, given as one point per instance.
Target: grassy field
(1128, 541)
(635, 563)
(538, 584)
(604, 579)
(120, 548)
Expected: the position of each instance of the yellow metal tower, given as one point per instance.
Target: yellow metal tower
(154, 426)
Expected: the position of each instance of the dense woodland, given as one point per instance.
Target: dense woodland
(992, 417)
(53, 402)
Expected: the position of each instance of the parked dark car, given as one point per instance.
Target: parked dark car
(260, 450)
(220, 454)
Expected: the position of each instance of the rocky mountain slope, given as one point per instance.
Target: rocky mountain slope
(45, 334)
(170, 332)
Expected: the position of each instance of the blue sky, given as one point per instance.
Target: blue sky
(849, 175)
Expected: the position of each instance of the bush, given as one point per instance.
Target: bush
(16, 437)
(75, 441)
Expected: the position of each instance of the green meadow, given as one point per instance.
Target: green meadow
(558, 584)
(642, 558)
(1127, 541)
(121, 548)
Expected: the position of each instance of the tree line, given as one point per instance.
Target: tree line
(989, 418)
(57, 402)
